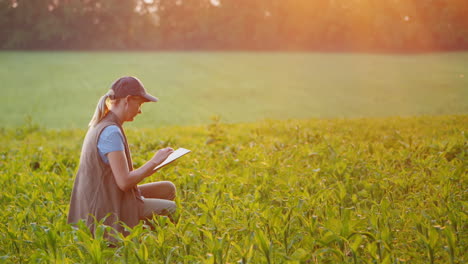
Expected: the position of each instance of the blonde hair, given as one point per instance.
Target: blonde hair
(102, 109)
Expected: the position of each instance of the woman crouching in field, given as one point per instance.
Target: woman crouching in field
(106, 183)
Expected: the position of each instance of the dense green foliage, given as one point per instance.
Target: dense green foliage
(356, 25)
(389, 190)
(61, 89)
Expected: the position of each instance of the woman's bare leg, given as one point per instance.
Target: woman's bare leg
(158, 199)
(159, 190)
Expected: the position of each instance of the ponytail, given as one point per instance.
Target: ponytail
(101, 111)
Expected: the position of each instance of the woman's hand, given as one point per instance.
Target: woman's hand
(161, 155)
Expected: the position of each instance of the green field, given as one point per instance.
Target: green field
(385, 190)
(61, 89)
(296, 157)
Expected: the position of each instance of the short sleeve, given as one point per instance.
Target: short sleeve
(110, 140)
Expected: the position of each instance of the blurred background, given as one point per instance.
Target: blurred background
(326, 25)
(236, 59)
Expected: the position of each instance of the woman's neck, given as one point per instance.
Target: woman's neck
(119, 114)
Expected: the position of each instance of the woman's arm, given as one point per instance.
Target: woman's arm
(125, 178)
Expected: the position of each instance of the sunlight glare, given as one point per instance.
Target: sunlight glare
(215, 2)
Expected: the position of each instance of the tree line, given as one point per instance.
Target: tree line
(319, 25)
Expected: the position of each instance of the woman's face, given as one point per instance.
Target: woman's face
(133, 106)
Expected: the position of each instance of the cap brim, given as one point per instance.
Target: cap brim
(150, 98)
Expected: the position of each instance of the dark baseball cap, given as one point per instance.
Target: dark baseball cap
(129, 85)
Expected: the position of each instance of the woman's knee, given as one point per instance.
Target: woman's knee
(172, 208)
(171, 190)
(153, 206)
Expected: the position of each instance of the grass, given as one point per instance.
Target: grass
(61, 89)
(366, 190)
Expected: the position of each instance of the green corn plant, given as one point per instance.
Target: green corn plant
(94, 249)
(429, 238)
(265, 245)
(245, 250)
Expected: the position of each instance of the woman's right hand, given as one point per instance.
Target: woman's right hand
(161, 155)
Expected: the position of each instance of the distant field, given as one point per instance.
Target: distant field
(61, 89)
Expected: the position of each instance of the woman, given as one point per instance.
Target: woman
(106, 183)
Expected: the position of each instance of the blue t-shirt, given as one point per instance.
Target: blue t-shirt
(110, 140)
